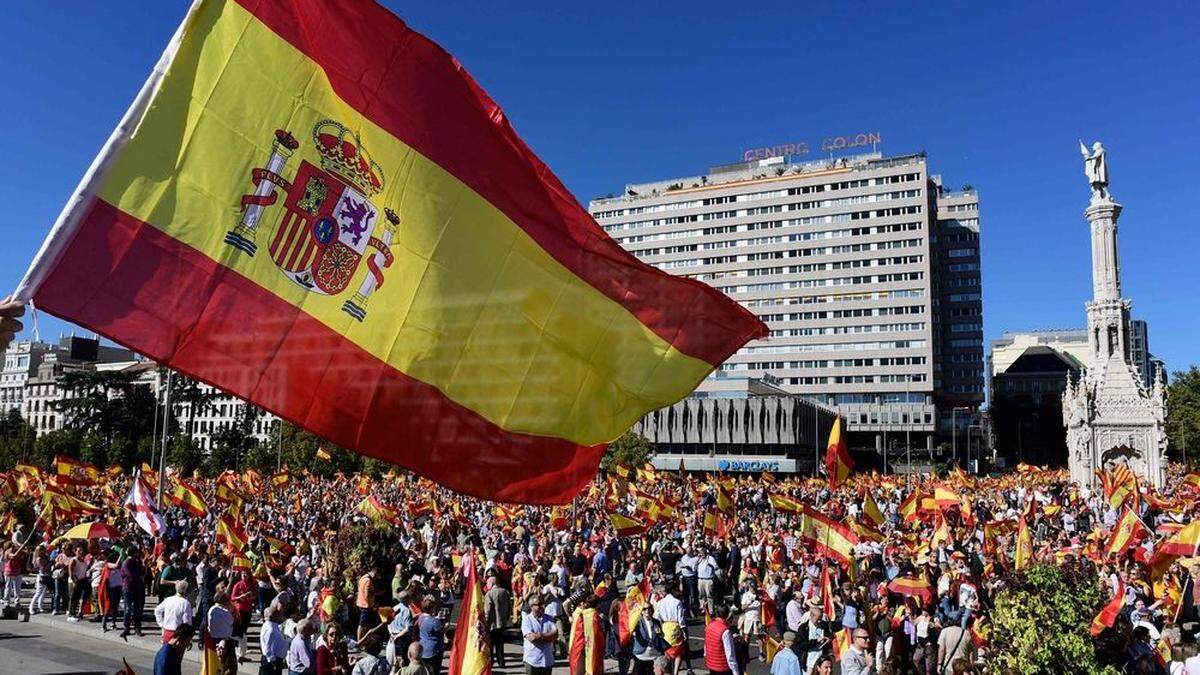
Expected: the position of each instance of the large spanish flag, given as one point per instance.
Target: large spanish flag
(315, 208)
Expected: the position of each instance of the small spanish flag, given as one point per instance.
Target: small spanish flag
(781, 503)
(838, 463)
(379, 512)
(841, 643)
(1108, 614)
(187, 496)
(323, 455)
(626, 526)
(231, 533)
(1023, 554)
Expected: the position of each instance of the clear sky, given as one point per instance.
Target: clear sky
(610, 93)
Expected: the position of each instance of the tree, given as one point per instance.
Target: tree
(16, 437)
(1040, 624)
(185, 455)
(233, 442)
(1183, 410)
(632, 450)
(60, 442)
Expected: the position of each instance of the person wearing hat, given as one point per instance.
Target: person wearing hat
(786, 662)
(814, 634)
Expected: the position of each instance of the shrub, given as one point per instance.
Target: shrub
(1040, 624)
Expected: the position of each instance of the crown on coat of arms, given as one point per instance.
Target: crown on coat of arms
(343, 155)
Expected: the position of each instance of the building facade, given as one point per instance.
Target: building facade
(865, 270)
(33, 370)
(223, 412)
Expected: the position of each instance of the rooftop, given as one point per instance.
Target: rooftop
(755, 172)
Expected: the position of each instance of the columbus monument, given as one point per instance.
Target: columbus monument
(1111, 415)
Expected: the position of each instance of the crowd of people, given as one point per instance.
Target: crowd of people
(900, 577)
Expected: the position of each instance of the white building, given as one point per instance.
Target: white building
(865, 270)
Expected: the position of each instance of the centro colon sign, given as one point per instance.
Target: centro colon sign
(829, 144)
(747, 465)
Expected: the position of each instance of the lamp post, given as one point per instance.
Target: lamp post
(954, 433)
(969, 428)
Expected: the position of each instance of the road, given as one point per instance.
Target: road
(29, 648)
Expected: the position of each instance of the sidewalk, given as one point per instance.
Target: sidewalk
(149, 642)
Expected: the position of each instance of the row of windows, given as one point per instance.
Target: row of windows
(849, 330)
(813, 267)
(800, 236)
(964, 297)
(729, 199)
(756, 211)
(965, 327)
(964, 267)
(843, 313)
(962, 252)
(819, 283)
(826, 363)
(964, 281)
(834, 347)
(837, 297)
(959, 208)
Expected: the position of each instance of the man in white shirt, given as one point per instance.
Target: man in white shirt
(174, 611)
(686, 568)
(274, 646)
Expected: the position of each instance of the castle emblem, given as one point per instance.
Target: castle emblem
(328, 224)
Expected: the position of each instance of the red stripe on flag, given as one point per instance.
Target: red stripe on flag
(174, 304)
(414, 90)
(284, 227)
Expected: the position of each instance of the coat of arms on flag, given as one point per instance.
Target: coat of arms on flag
(327, 221)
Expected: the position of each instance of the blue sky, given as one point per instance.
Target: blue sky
(625, 92)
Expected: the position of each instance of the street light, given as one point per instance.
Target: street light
(969, 428)
(954, 432)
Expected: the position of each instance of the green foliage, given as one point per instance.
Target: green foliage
(360, 547)
(1040, 624)
(300, 451)
(23, 506)
(1183, 411)
(16, 439)
(632, 450)
(61, 442)
(232, 444)
(185, 454)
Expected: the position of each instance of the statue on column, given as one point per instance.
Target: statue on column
(1095, 167)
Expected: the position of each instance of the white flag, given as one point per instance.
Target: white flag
(145, 511)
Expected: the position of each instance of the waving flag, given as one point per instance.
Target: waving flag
(781, 503)
(838, 463)
(1024, 550)
(471, 653)
(315, 208)
(626, 526)
(187, 496)
(144, 509)
(379, 512)
(231, 533)
(1129, 531)
(1108, 614)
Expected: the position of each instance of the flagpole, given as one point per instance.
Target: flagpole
(162, 456)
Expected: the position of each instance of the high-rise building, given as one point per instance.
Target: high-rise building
(866, 271)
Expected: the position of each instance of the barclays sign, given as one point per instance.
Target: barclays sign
(752, 465)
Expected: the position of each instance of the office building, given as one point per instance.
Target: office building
(864, 268)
